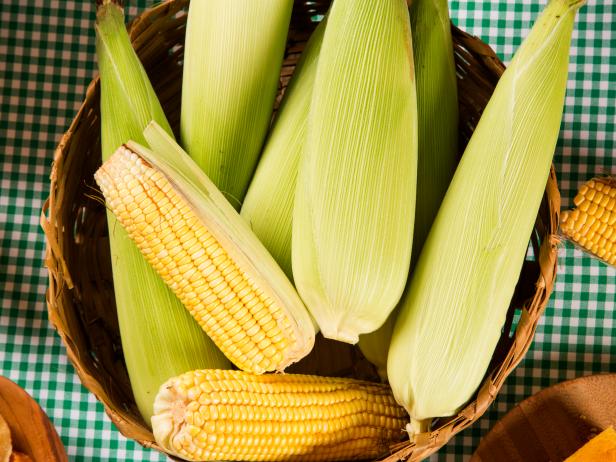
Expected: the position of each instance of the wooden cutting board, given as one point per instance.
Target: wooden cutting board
(31, 431)
(552, 424)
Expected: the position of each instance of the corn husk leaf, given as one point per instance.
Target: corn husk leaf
(354, 205)
(268, 206)
(451, 317)
(233, 56)
(159, 338)
(437, 111)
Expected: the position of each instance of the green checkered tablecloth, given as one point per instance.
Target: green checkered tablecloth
(46, 62)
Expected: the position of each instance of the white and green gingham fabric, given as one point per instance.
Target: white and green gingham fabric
(46, 62)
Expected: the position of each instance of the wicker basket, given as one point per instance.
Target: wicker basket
(80, 296)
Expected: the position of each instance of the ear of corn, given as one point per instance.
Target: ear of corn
(233, 55)
(592, 224)
(268, 207)
(437, 112)
(204, 251)
(354, 204)
(232, 415)
(451, 317)
(159, 338)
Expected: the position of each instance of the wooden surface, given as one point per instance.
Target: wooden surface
(552, 424)
(31, 431)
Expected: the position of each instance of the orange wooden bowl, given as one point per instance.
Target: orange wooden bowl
(32, 432)
(552, 424)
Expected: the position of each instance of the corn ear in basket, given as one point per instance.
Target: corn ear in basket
(268, 206)
(451, 317)
(205, 252)
(354, 204)
(233, 56)
(233, 415)
(437, 112)
(159, 338)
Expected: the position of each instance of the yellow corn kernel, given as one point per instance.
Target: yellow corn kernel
(207, 269)
(592, 224)
(605, 200)
(233, 415)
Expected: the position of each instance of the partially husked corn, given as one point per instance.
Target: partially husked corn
(592, 224)
(206, 268)
(233, 415)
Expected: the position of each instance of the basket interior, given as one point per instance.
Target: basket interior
(81, 299)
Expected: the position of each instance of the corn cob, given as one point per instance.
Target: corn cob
(437, 112)
(451, 316)
(233, 415)
(268, 206)
(159, 338)
(232, 62)
(204, 251)
(592, 224)
(354, 203)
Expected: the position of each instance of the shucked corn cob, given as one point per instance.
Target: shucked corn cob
(204, 251)
(592, 224)
(159, 338)
(233, 415)
(452, 314)
(355, 198)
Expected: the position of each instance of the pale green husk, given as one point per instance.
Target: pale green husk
(355, 198)
(451, 317)
(233, 56)
(159, 337)
(268, 206)
(437, 111)
(228, 227)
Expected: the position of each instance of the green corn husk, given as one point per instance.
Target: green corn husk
(354, 204)
(451, 317)
(437, 109)
(268, 206)
(159, 338)
(232, 62)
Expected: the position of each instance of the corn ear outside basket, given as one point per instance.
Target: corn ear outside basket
(80, 297)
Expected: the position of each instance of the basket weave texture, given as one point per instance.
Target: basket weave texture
(80, 297)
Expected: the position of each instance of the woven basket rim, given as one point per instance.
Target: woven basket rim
(545, 242)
